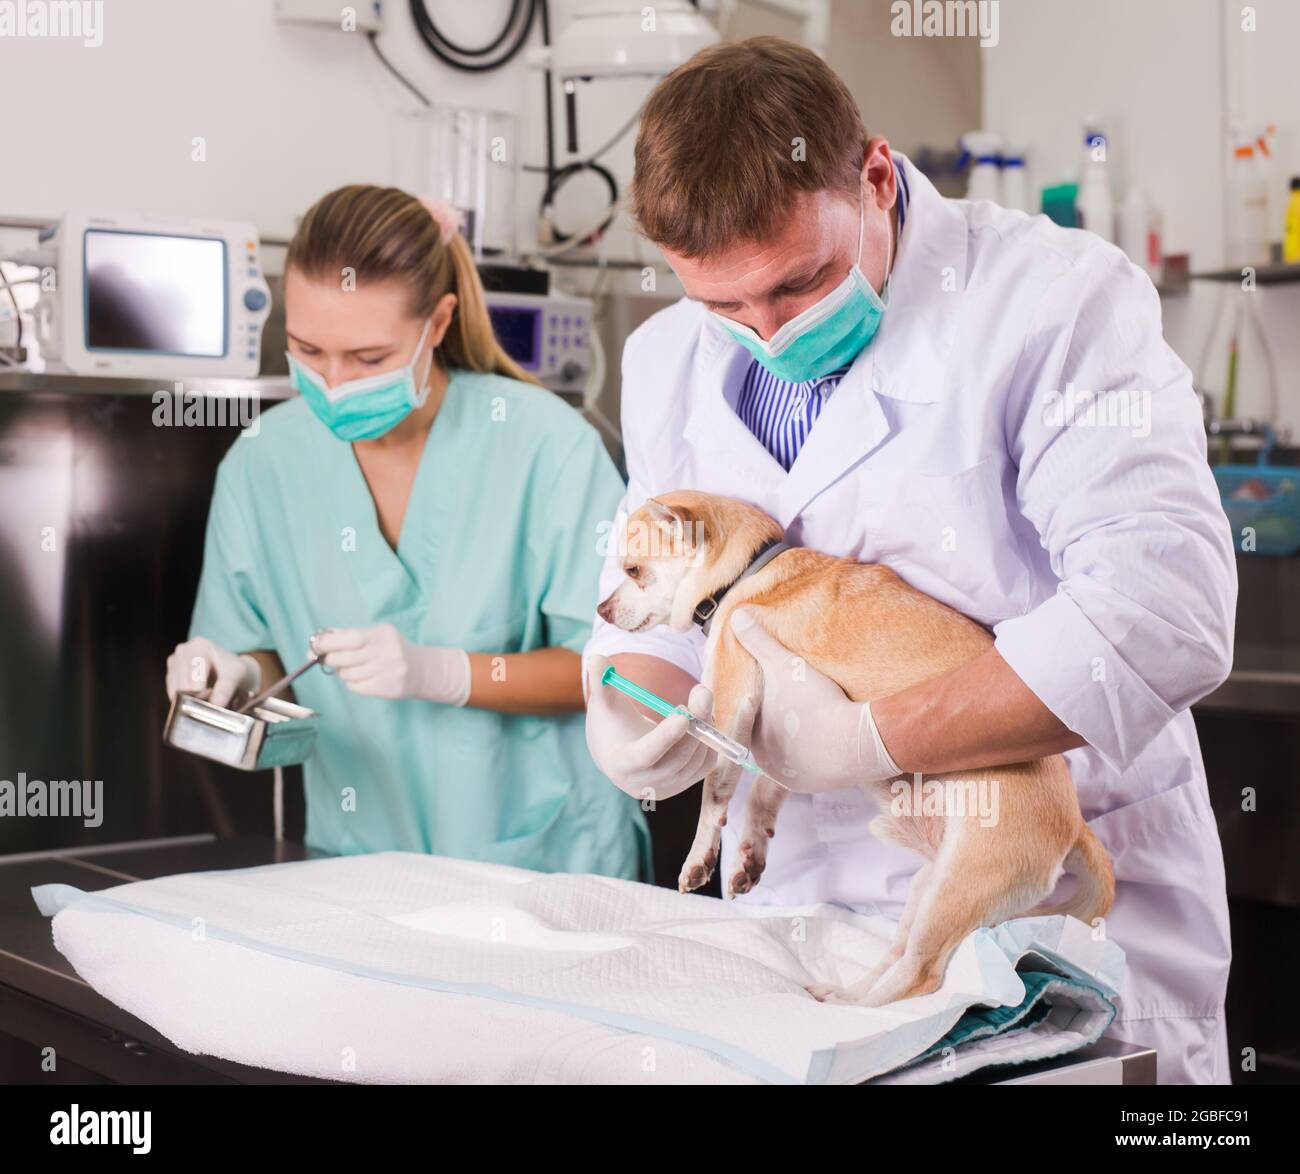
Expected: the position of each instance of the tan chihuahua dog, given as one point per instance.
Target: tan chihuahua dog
(872, 634)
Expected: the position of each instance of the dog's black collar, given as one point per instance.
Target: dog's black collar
(708, 606)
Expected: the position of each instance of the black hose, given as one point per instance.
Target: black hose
(548, 82)
(388, 65)
(566, 173)
(484, 50)
(480, 60)
(473, 60)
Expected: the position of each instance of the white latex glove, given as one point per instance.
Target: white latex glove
(647, 758)
(808, 734)
(381, 662)
(209, 671)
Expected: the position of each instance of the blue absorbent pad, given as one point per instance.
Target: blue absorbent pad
(1057, 1016)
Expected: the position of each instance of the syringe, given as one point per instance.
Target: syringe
(711, 736)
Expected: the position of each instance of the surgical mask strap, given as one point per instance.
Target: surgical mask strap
(421, 388)
(419, 346)
(862, 224)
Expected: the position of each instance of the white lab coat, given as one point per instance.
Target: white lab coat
(1098, 555)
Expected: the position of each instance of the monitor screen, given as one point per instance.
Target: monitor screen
(161, 294)
(519, 332)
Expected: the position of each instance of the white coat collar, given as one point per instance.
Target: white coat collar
(910, 351)
(905, 361)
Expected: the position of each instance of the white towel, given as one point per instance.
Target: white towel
(410, 968)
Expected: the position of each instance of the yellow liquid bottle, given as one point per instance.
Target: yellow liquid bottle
(1291, 237)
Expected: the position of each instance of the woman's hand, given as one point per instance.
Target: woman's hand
(381, 662)
(206, 669)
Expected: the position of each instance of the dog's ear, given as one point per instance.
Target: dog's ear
(678, 521)
(663, 513)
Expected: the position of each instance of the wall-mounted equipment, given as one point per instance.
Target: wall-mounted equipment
(621, 38)
(549, 336)
(151, 296)
(363, 16)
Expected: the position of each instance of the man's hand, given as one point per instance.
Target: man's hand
(808, 735)
(644, 758)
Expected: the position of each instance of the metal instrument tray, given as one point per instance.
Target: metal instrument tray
(275, 733)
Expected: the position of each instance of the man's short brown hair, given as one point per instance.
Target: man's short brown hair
(729, 138)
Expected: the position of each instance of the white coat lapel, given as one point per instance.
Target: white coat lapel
(851, 424)
(926, 289)
(908, 358)
(713, 427)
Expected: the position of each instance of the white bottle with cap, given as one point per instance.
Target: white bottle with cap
(1096, 207)
(1015, 183)
(985, 181)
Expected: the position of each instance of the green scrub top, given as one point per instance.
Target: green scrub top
(500, 552)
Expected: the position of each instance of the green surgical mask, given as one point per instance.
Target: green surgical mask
(362, 409)
(828, 334)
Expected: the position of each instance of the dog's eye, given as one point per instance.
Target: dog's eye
(633, 572)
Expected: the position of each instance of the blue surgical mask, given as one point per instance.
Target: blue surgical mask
(828, 334)
(362, 409)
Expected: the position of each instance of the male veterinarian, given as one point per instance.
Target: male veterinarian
(982, 401)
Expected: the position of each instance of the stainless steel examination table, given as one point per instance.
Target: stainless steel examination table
(45, 1004)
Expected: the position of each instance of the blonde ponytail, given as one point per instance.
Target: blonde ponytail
(470, 342)
(385, 234)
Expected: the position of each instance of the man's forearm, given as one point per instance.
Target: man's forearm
(981, 714)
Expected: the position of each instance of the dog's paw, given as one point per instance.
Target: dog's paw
(860, 994)
(750, 871)
(840, 996)
(695, 874)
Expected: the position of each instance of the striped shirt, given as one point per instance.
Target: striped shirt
(780, 413)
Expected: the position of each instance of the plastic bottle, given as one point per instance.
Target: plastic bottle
(1247, 210)
(1059, 204)
(1155, 265)
(1096, 207)
(1015, 183)
(1291, 237)
(985, 181)
(1140, 231)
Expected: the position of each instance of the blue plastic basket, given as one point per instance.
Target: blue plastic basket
(1275, 519)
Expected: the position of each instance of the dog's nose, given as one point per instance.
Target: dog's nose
(606, 611)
